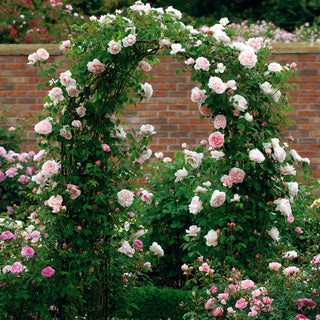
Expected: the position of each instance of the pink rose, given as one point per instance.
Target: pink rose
(146, 196)
(298, 230)
(145, 66)
(105, 147)
(217, 198)
(33, 58)
(16, 268)
(204, 111)
(40, 155)
(129, 41)
(291, 270)
(42, 54)
(274, 265)
(197, 95)
(76, 123)
(66, 80)
(2, 176)
(43, 127)
(138, 244)
(125, 198)
(147, 265)
(248, 59)
(24, 179)
(217, 85)
(81, 111)
(255, 43)
(247, 284)
(256, 155)
(7, 235)
(73, 91)
(219, 121)
(189, 61)
(226, 181)
(55, 201)
(193, 231)
(239, 102)
(95, 66)
(27, 252)
(274, 67)
(50, 168)
(209, 303)
(217, 312)
(65, 44)
(11, 172)
(47, 272)
(241, 304)
(196, 205)
(216, 139)
(56, 94)
(202, 64)
(114, 47)
(159, 155)
(237, 175)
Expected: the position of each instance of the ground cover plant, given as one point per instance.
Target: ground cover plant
(92, 234)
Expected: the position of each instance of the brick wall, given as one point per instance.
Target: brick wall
(170, 110)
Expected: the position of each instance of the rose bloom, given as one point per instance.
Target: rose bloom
(293, 188)
(256, 155)
(56, 94)
(167, 160)
(7, 235)
(239, 102)
(288, 170)
(125, 198)
(74, 192)
(138, 244)
(24, 179)
(42, 54)
(216, 139)
(189, 61)
(129, 41)
(147, 196)
(289, 255)
(55, 201)
(247, 284)
(217, 312)
(237, 175)
(211, 238)
(147, 90)
(147, 130)
(73, 91)
(217, 85)
(219, 121)
(255, 43)
(217, 198)
(144, 66)
(274, 265)
(126, 249)
(248, 116)
(16, 268)
(50, 167)
(208, 304)
(193, 231)
(156, 249)
(205, 111)
(248, 59)
(95, 66)
(47, 272)
(11, 172)
(291, 270)
(197, 95)
(43, 127)
(196, 205)
(274, 67)
(114, 47)
(65, 133)
(147, 265)
(279, 154)
(202, 63)
(226, 181)
(180, 174)
(65, 44)
(241, 304)
(193, 158)
(66, 80)
(217, 155)
(6, 269)
(81, 111)
(76, 123)
(40, 155)
(27, 252)
(33, 58)
(274, 234)
(298, 230)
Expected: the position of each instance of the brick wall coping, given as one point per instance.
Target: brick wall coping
(53, 49)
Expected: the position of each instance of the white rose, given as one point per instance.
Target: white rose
(156, 249)
(211, 238)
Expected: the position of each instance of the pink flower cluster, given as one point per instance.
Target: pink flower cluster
(41, 55)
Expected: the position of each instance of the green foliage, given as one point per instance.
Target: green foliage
(156, 303)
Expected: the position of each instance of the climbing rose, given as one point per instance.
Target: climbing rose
(197, 95)
(95, 66)
(248, 59)
(43, 127)
(275, 265)
(156, 249)
(50, 167)
(114, 47)
(196, 205)
(216, 139)
(193, 231)
(27, 252)
(42, 54)
(202, 63)
(219, 121)
(47, 272)
(16, 268)
(256, 155)
(125, 198)
(211, 238)
(126, 249)
(217, 198)
(237, 175)
(217, 85)
(129, 41)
